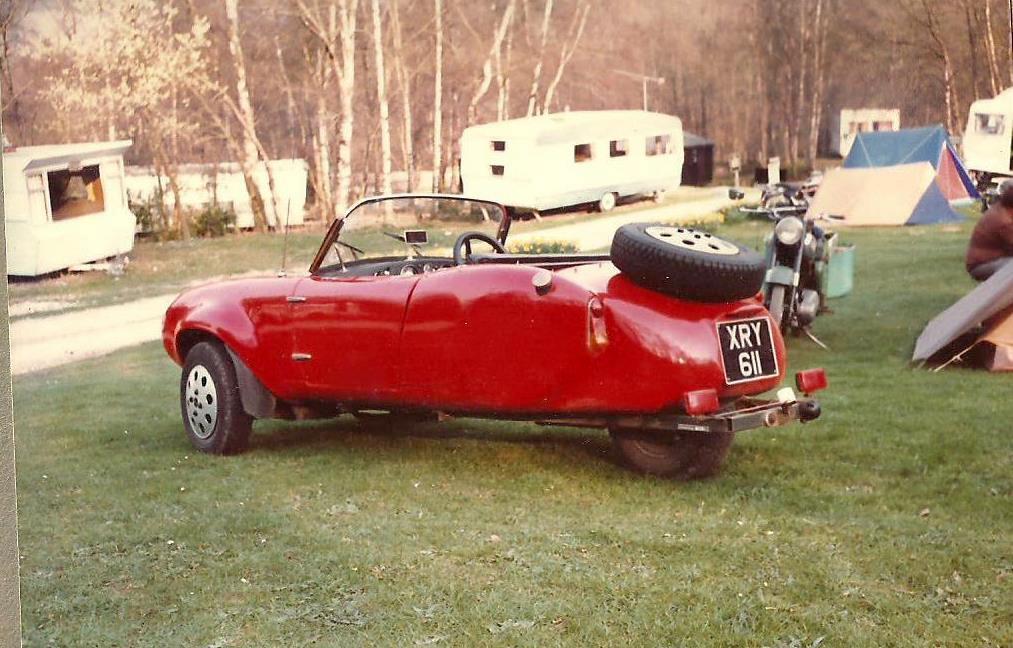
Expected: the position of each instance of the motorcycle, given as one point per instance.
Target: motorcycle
(798, 254)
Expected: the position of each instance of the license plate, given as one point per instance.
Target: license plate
(747, 350)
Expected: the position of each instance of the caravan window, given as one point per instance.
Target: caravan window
(581, 152)
(989, 124)
(617, 148)
(497, 169)
(658, 145)
(498, 145)
(75, 193)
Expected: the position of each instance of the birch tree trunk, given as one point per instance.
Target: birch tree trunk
(249, 158)
(404, 80)
(497, 43)
(438, 101)
(993, 62)
(569, 47)
(503, 78)
(346, 85)
(381, 96)
(819, 77)
(536, 75)
(322, 142)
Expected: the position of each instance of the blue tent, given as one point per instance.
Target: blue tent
(930, 144)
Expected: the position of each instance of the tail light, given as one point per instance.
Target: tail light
(701, 401)
(811, 380)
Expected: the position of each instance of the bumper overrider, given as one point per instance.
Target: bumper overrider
(703, 413)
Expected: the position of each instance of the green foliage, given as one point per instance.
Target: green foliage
(214, 221)
(543, 246)
(146, 213)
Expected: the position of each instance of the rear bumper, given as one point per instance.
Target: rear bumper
(744, 414)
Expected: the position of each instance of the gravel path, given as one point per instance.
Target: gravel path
(39, 343)
(42, 342)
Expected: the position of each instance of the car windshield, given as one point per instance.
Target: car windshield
(407, 226)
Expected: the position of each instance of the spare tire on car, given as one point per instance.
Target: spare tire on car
(687, 263)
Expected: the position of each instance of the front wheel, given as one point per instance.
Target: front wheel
(682, 455)
(209, 398)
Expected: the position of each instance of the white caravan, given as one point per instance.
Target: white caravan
(65, 205)
(572, 158)
(851, 121)
(989, 134)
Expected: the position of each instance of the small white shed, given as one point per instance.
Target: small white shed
(223, 184)
(64, 205)
(850, 122)
(989, 135)
(571, 158)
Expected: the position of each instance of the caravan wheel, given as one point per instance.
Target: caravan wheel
(607, 202)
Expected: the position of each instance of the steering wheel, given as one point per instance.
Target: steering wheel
(462, 246)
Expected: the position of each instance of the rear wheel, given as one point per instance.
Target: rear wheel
(682, 455)
(213, 414)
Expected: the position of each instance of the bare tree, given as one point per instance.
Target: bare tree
(381, 97)
(536, 75)
(249, 159)
(438, 101)
(569, 47)
(494, 49)
(404, 81)
(993, 61)
(334, 27)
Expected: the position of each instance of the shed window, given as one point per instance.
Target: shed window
(498, 145)
(618, 148)
(497, 169)
(581, 152)
(658, 145)
(75, 193)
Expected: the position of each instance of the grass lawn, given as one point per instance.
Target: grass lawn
(887, 522)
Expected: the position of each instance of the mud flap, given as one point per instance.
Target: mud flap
(257, 401)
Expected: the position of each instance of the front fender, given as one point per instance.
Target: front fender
(780, 275)
(250, 317)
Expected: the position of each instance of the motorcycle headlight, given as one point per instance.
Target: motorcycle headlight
(789, 230)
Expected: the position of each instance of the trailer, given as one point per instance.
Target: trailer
(65, 205)
(988, 137)
(849, 122)
(573, 158)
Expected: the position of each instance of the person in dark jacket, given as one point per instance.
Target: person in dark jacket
(991, 244)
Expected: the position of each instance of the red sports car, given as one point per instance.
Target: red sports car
(664, 342)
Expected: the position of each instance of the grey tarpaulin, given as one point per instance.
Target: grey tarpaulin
(986, 300)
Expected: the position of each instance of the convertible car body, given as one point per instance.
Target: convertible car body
(556, 338)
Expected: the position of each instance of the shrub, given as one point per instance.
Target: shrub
(214, 221)
(146, 213)
(543, 247)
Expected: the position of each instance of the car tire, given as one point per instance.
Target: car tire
(210, 403)
(607, 202)
(687, 263)
(683, 455)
